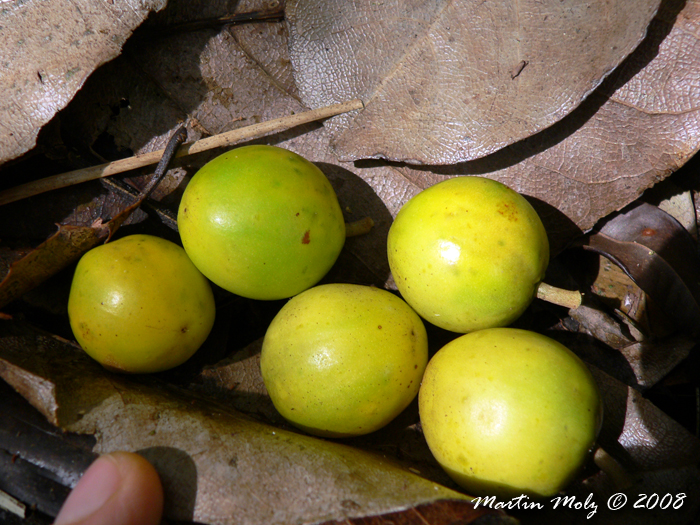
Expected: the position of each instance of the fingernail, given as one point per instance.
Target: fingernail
(99, 482)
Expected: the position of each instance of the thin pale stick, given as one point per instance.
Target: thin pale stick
(12, 505)
(222, 140)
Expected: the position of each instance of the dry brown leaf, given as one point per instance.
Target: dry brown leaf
(447, 81)
(49, 50)
(640, 435)
(635, 130)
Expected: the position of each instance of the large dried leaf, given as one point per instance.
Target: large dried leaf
(214, 462)
(49, 50)
(453, 80)
(636, 129)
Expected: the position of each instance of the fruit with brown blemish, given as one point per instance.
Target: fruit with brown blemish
(468, 253)
(261, 222)
(139, 305)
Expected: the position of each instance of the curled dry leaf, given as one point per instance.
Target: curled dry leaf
(658, 454)
(659, 255)
(644, 302)
(214, 462)
(66, 246)
(447, 81)
(640, 364)
(49, 50)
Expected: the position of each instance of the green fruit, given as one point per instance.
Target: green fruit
(261, 222)
(509, 412)
(468, 253)
(139, 305)
(343, 360)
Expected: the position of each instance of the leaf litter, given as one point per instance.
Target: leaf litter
(658, 453)
(51, 51)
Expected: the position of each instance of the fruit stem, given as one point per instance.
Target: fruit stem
(361, 227)
(568, 298)
(612, 468)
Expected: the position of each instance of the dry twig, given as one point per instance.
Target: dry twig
(222, 140)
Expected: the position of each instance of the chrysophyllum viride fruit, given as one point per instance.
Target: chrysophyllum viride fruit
(469, 253)
(343, 359)
(139, 305)
(261, 222)
(508, 412)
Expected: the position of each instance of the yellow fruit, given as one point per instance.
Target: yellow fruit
(509, 412)
(139, 305)
(343, 360)
(468, 253)
(261, 222)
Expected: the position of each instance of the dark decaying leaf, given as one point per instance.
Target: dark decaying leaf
(48, 51)
(38, 462)
(71, 242)
(659, 255)
(67, 245)
(448, 80)
(213, 460)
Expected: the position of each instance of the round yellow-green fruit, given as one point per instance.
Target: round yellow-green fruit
(261, 222)
(139, 305)
(508, 412)
(468, 253)
(343, 360)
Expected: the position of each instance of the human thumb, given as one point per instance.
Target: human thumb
(121, 488)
